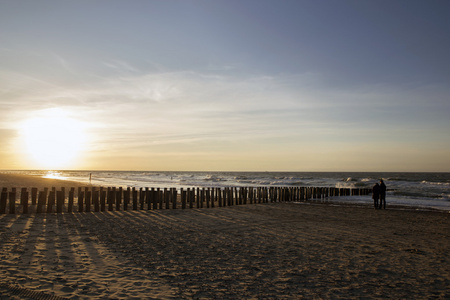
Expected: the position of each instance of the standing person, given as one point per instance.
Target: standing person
(376, 194)
(382, 194)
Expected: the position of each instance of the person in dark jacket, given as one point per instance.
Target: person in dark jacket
(382, 195)
(376, 195)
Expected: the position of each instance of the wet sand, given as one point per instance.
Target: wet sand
(28, 181)
(259, 251)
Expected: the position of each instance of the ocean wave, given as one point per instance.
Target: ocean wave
(420, 195)
(340, 185)
(212, 178)
(348, 179)
(435, 183)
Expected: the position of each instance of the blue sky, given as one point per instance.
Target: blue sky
(229, 85)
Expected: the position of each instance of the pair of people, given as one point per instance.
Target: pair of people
(379, 195)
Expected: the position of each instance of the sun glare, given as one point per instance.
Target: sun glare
(52, 139)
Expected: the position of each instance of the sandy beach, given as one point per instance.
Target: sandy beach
(259, 251)
(27, 181)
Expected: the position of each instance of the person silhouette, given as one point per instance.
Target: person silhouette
(376, 195)
(382, 195)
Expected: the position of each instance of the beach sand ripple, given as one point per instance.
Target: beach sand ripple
(282, 250)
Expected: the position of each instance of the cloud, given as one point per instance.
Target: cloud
(186, 112)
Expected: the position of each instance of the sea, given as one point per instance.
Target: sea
(411, 190)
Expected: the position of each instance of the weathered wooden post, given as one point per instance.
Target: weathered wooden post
(12, 201)
(191, 197)
(95, 197)
(34, 195)
(70, 204)
(110, 199)
(198, 197)
(102, 199)
(148, 198)
(141, 198)
(126, 198)
(63, 195)
(202, 198)
(207, 197)
(41, 202)
(219, 197)
(225, 197)
(154, 199)
(24, 200)
(160, 198)
(59, 202)
(135, 199)
(51, 201)
(174, 198)
(88, 200)
(166, 198)
(183, 198)
(118, 195)
(86, 189)
(3, 200)
(81, 201)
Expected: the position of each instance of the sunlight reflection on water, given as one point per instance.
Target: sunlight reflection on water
(54, 175)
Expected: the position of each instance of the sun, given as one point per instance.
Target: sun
(53, 139)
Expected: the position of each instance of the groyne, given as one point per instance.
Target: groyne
(97, 199)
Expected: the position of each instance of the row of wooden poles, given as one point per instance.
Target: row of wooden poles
(116, 199)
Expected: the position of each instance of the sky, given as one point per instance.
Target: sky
(225, 85)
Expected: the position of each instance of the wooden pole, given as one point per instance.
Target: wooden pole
(80, 201)
(174, 198)
(51, 197)
(110, 199)
(126, 198)
(34, 195)
(24, 197)
(202, 198)
(183, 198)
(154, 199)
(135, 199)
(219, 197)
(88, 201)
(70, 202)
(63, 195)
(3, 200)
(12, 201)
(148, 198)
(198, 197)
(118, 195)
(166, 198)
(191, 197)
(95, 196)
(141, 198)
(41, 202)
(59, 202)
(208, 197)
(102, 199)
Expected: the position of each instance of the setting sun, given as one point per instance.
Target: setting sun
(53, 140)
